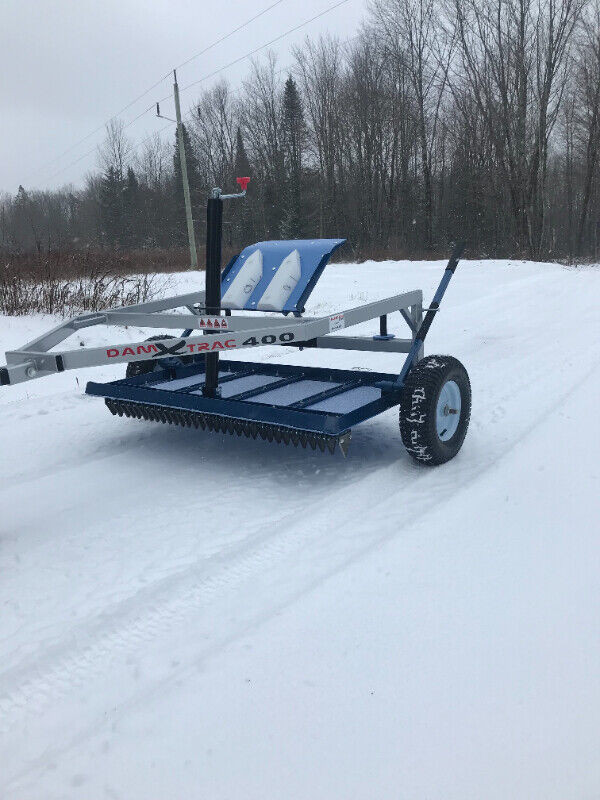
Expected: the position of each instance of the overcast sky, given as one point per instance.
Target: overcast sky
(68, 65)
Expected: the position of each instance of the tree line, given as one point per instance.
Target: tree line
(440, 119)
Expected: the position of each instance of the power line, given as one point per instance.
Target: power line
(154, 85)
(222, 39)
(101, 128)
(207, 77)
(262, 47)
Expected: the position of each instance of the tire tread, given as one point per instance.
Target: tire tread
(418, 406)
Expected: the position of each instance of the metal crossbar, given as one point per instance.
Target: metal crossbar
(266, 387)
(326, 394)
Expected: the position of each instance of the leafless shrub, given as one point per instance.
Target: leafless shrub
(70, 264)
(25, 294)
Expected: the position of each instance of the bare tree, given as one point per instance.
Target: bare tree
(153, 164)
(587, 113)
(263, 126)
(214, 132)
(418, 42)
(514, 57)
(320, 67)
(113, 152)
(372, 127)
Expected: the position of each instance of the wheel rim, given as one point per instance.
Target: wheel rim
(447, 414)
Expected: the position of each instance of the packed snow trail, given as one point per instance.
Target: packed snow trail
(152, 575)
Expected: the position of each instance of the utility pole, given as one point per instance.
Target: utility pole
(184, 177)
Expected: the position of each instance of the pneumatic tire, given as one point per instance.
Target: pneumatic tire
(435, 409)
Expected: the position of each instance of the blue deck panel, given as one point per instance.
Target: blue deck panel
(180, 388)
(314, 255)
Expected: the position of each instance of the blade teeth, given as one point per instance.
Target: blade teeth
(344, 441)
(240, 427)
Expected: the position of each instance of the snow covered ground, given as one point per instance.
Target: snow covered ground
(189, 615)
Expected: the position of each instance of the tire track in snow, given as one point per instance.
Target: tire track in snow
(35, 768)
(30, 688)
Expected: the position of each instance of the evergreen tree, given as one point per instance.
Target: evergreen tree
(242, 163)
(242, 217)
(21, 198)
(111, 207)
(24, 224)
(132, 211)
(294, 137)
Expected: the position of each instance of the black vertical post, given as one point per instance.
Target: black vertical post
(214, 217)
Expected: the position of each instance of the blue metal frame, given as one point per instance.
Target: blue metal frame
(138, 390)
(430, 315)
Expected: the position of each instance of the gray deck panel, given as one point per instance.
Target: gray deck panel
(348, 401)
(287, 395)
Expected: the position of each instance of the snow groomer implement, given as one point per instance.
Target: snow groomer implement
(258, 301)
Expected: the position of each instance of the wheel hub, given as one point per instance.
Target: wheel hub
(448, 411)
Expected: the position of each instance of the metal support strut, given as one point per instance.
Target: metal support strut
(214, 236)
(214, 227)
(431, 312)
